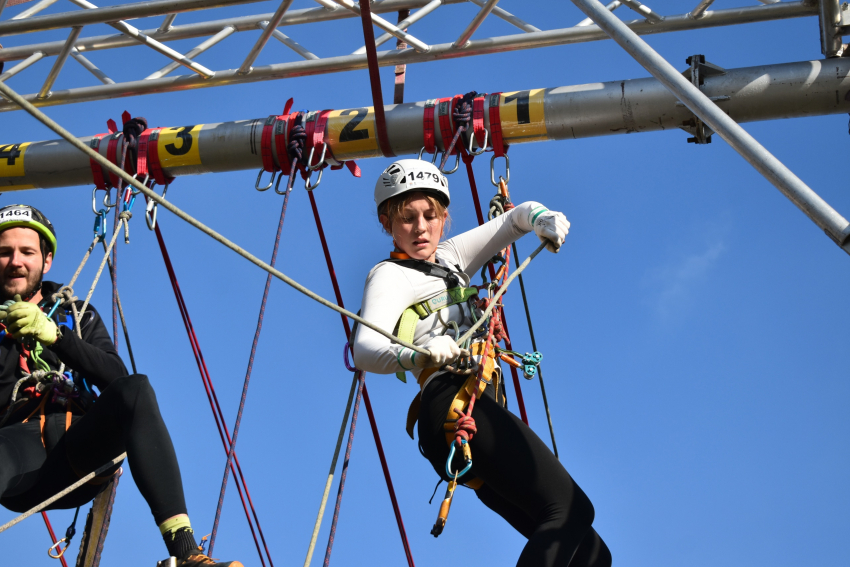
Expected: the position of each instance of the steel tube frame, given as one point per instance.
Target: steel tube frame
(700, 9)
(818, 210)
(644, 11)
(830, 28)
(35, 9)
(37, 56)
(291, 43)
(112, 13)
(194, 52)
(59, 63)
(245, 68)
(510, 18)
(405, 23)
(610, 7)
(473, 26)
(388, 27)
(91, 67)
(167, 23)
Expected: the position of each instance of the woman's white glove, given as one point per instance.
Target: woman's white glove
(552, 228)
(444, 350)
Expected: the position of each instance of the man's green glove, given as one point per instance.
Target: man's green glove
(25, 320)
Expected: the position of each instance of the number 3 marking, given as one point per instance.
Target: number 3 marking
(185, 135)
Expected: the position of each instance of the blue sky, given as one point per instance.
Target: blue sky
(692, 326)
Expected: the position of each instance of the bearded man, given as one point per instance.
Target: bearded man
(54, 428)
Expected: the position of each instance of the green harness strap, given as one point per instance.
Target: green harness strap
(406, 328)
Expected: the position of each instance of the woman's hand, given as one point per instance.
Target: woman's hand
(443, 349)
(552, 228)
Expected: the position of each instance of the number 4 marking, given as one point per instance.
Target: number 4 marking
(10, 153)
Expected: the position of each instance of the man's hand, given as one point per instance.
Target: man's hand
(444, 350)
(552, 228)
(25, 320)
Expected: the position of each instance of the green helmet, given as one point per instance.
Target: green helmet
(29, 217)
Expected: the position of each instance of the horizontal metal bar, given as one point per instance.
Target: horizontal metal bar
(700, 9)
(610, 7)
(476, 22)
(59, 63)
(291, 43)
(562, 113)
(200, 48)
(510, 18)
(37, 56)
(34, 9)
(644, 11)
(111, 14)
(91, 68)
(388, 27)
(167, 23)
(264, 37)
(403, 25)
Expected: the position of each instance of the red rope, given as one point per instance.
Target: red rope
(375, 79)
(213, 399)
(366, 401)
(53, 536)
(467, 160)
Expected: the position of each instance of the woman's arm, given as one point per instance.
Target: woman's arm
(474, 248)
(387, 294)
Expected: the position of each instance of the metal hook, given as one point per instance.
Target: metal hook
(451, 457)
(106, 202)
(507, 176)
(318, 180)
(482, 149)
(321, 159)
(259, 177)
(457, 165)
(151, 208)
(100, 223)
(56, 546)
(290, 178)
(422, 151)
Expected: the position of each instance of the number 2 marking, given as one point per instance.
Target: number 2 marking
(185, 135)
(523, 112)
(348, 133)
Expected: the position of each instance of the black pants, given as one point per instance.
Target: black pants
(124, 418)
(523, 481)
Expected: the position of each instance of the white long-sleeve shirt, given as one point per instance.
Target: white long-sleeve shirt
(390, 289)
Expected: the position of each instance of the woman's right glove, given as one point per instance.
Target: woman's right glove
(444, 350)
(551, 227)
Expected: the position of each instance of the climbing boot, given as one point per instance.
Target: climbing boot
(201, 560)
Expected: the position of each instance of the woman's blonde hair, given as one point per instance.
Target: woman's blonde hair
(394, 206)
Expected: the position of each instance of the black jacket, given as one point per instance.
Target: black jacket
(93, 357)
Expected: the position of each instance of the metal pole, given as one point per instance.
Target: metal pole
(699, 11)
(2, 6)
(167, 23)
(610, 7)
(830, 28)
(405, 23)
(91, 67)
(835, 225)
(264, 37)
(37, 56)
(200, 48)
(133, 32)
(644, 11)
(60, 62)
(510, 18)
(388, 27)
(476, 22)
(35, 9)
(291, 43)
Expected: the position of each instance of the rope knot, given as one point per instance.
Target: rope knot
(65, 292)
(297, 140)
(465, 427)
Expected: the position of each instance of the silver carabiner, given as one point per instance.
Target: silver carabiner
(259, 177)
(321, 159)
(482, 149)
(507, 176)
(106, 203)
(457, 165)
(422, 151)
(151, 208)
(307, 185)
(145, 183)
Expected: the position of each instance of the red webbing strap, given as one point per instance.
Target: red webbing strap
(279, 131)
(153, 159)
(266, 144)
(478, 120)
(499, 146)
(444, 110)
(430, 141)
(319, 127)
(96, 171)
(142, 151)
(375, 79)
(112, 155)
(309, 123)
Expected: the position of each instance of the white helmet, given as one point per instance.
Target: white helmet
(411, 175)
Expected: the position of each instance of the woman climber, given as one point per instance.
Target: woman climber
(52, 429)
(513, 472)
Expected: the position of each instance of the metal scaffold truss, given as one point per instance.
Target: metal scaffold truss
(407, 48)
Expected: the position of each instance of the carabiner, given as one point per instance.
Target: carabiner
(151, 208)
(307, 185)
(290, 181)
(100, 224)
(422, 151)
(56, 546)
(482, 149)
(319, 165)
(457, 164)
(259, 177)
(507, 177)
(452, 456)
